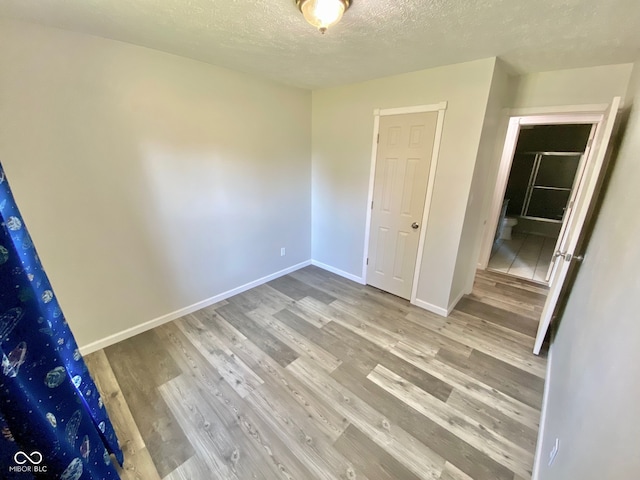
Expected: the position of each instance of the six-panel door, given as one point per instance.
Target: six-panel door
(403, 161)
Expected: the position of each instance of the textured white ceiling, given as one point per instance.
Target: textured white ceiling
(376, 38)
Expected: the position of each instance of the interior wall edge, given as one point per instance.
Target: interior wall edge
(537, 459)
(592, 400)
(135, 177)
(148, 325)
(442, 311)
(456, 299)
(474, 224)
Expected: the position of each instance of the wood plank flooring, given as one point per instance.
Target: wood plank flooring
(312, 376)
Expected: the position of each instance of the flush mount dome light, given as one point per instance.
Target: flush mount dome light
(323, 13)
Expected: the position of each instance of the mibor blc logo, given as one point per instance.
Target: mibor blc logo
(28, 463)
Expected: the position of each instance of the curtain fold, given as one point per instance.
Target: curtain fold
(53, 423)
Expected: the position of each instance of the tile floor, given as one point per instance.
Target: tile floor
(524, 256)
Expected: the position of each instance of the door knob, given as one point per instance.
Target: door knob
(415, 226)
(568, 257)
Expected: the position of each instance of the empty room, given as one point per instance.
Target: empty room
(319, 239)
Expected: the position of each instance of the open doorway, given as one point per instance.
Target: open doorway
(546, 167)
(567, 252)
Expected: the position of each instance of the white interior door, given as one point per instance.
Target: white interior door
(572, 201)
(403, 160)
(586, 190)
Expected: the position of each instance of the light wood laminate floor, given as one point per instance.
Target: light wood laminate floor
(312, 376)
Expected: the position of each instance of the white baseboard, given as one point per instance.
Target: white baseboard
(537, 462)
(455, 301)
(143, 327)
(431, 307)
(443, 312)
(337, 271)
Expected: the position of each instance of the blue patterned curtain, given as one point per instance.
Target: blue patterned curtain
(53, 423)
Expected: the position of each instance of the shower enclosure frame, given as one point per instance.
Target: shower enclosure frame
(587, 114)
(524, 213)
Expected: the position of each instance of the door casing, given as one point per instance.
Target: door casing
(562, 116)
(377, 113)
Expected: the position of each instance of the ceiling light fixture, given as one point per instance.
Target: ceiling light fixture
(323, 13)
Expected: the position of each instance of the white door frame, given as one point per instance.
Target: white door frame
(575, 186)
(587, 114)
(587, 193)
(436, 107)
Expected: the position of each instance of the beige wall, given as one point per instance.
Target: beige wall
(152, 182)
(593, 85)
(540, 92)
(493, 131)
(149, 182)
(594, 384)
(342, 143)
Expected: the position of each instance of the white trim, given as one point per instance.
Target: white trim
(575, 187)
(592, 108)
(431, 307)
(511, 140)
(534, 116)
(416, 109)
(587, 194)
(455, 301)
(337, 271)
(427, 201)
(537, 459)
(372, 176)
(559, 119)
(443, 312)
(437, 107)
(143, 327)
(487, 209)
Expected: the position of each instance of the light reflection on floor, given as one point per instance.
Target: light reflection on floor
(525, 255)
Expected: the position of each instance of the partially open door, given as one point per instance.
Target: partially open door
(586, 156)
(586, 191)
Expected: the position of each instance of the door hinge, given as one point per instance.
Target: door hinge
(378, 139)
(371, 204)
(367, 261)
